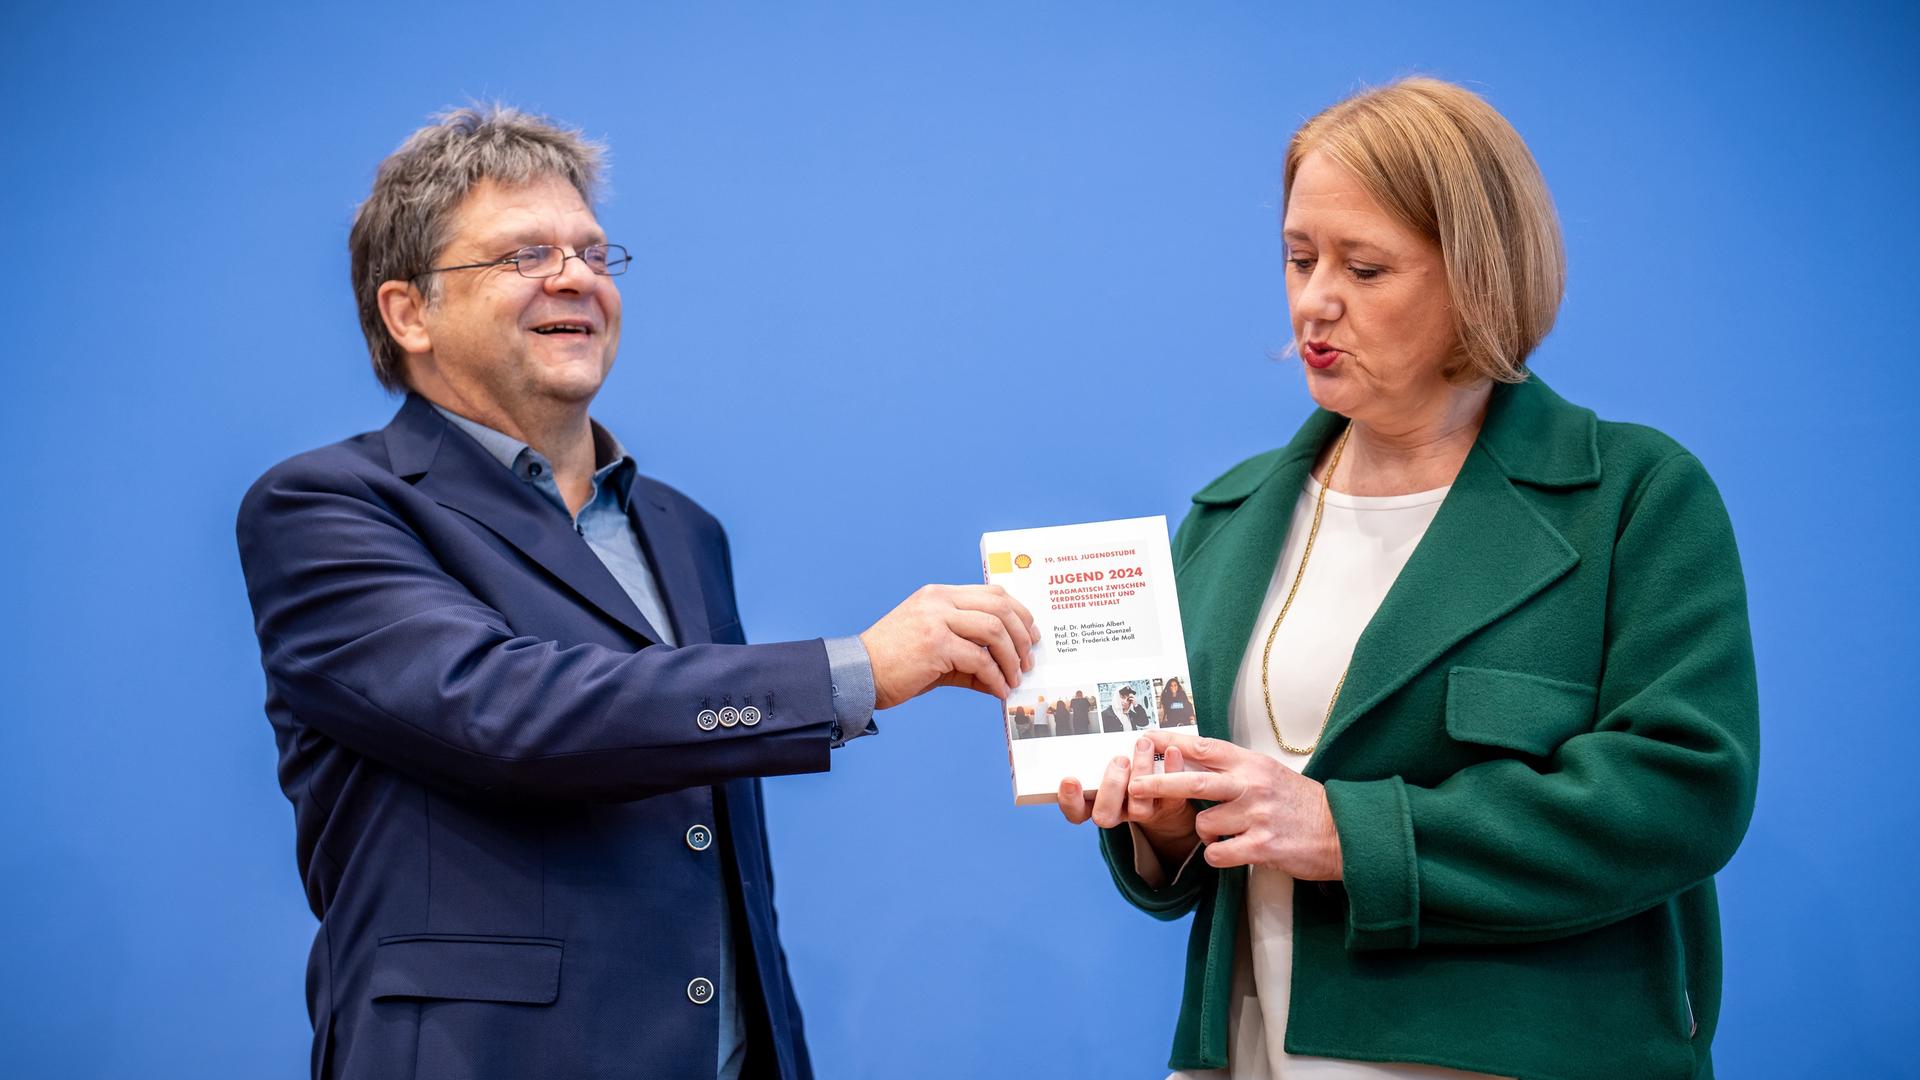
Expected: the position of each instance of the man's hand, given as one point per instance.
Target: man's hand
(974, 636)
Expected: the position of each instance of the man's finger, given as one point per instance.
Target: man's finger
(994, 601)
(1216, 787)
(1111, 800)
(1022, 634)
(1020, 609)
(978, 667)
(981, 628)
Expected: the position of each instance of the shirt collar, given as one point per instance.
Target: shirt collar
(610, 458)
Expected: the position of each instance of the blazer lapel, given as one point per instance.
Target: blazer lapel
(665, 538)
(459, 474)
(1486, 553)
(1223, 583)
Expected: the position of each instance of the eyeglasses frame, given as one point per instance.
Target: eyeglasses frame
(513, 260)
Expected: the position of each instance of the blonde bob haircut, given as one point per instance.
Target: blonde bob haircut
(1440, 159)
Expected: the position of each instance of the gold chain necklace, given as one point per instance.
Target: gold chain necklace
(1266, 655)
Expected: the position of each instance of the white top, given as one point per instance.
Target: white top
(1363, 544)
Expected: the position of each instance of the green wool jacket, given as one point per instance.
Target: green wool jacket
(1546, 747)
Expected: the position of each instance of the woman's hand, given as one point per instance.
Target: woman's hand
(1167, 823)
(1268, 815)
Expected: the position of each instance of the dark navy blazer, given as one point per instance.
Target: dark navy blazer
(500, 783)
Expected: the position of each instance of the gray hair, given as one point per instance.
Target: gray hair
(402, 227)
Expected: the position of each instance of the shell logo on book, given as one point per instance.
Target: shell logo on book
(1005, 562)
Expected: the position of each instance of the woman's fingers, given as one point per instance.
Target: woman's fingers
(1212, 786)
(1111, 801)
(1238, 851)
(1218, 822)
(1073, 801)
(1198, 752)
(1141, 809)
(1114, 802)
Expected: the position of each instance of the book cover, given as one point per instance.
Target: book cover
(1111, 661)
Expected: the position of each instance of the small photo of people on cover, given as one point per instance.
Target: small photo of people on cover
(1132, 705)
(1127, 706)
(1046, 713)
(1176, 706)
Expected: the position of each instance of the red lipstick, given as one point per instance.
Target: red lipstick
(1319, 354)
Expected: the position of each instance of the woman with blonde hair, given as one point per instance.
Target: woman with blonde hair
(1477, 706)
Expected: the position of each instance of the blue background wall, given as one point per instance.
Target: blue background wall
(853, 223)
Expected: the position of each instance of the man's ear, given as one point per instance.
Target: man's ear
(403, 306)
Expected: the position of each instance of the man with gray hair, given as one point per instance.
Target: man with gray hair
(517, 717)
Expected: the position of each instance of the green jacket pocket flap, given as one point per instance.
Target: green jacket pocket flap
(1514, 710)
(468, 968)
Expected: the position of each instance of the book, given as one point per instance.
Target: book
(1111, 660)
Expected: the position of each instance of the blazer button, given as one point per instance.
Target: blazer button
(750, 715)
(699, 991)
(729, 717)
(708, 719)
(699, 838)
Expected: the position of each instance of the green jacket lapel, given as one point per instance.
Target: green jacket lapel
(1487, 552)
(1223, 580)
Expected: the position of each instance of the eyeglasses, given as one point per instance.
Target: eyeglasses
(548, 260)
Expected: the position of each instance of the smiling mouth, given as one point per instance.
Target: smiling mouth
(563, 328)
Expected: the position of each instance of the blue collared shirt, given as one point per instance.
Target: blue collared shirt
(604, 525)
